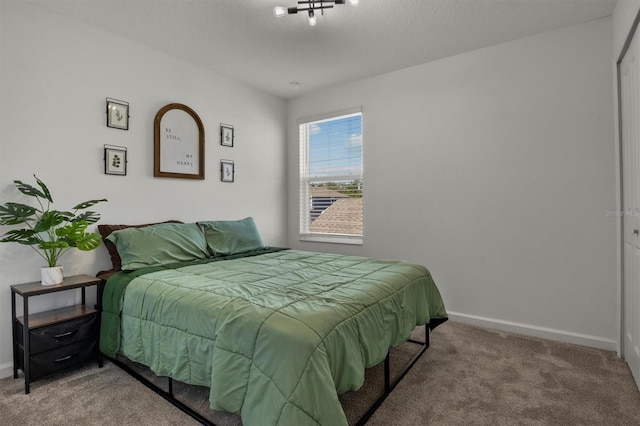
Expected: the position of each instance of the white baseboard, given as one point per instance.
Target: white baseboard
(535, 331)
(6, 370)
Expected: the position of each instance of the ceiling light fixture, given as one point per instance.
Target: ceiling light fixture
(310, 6)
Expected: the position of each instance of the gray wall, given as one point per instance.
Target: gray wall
(54, 77)
(495, 169)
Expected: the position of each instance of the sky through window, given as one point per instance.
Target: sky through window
(335, 147)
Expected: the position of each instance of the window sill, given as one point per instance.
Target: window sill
(342, 239)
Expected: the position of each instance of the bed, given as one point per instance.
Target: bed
(275, 334)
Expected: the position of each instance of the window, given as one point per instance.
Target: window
(331, 184)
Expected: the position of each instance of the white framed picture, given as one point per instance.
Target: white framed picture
(115, 160)
(227, 170)
(117, 114)
(226, 135)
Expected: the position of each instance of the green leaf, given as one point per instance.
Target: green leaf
(22, 236)
(50, 245)
(90, 241)
(68, 216)
(88, 216)
(72, 232)
(16, 213)
(45, 190)
(87, 204)
(49, 220)
(27, 189)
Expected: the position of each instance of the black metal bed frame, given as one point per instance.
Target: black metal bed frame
(389, 385)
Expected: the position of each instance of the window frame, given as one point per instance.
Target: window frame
(304, 208)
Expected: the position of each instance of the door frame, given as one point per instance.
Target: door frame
(625, 48)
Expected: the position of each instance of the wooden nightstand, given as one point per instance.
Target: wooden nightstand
(52, 341)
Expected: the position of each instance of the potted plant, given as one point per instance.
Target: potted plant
(51, 233)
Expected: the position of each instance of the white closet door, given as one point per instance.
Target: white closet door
(630, 131)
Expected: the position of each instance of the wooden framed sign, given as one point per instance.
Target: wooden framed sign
(178, 143)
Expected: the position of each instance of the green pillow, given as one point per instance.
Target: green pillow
(159, 245)
(231, 236)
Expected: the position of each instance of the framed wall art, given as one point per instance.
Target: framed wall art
(178, 143)
(115, 160)
(117, 114)
(226, 135)
(227, 170)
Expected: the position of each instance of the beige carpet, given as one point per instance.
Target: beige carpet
(469, 376)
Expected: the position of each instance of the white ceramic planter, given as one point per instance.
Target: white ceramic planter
(51, 276)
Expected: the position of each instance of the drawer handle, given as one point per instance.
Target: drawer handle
(67, 334)
(64, 358)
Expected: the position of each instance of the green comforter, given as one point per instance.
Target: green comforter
(275, 336)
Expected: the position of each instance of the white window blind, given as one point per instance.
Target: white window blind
(331, 179)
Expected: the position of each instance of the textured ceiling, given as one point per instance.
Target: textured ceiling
(242, 38)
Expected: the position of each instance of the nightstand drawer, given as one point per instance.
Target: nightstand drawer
(53, 336)
(56, 339)
(61, 358)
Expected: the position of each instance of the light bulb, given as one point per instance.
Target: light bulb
(279, 11)
(312, 19)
